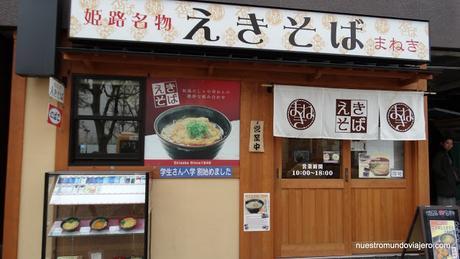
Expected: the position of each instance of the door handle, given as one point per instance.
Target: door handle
(346, 174)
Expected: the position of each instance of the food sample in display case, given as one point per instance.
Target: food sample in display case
(96, 215)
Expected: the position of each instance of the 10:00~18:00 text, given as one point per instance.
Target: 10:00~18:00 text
(312, 173)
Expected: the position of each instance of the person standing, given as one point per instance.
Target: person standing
(445, 178)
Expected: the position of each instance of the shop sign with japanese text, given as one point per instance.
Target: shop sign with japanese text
(256, 138)
(56, 90)
(192, 122)
(312, 170)
(54, 115)
(233, 26)
(313, 112)
(196, 172)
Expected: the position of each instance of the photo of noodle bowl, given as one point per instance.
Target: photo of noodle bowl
(192, 132)
(380, 166)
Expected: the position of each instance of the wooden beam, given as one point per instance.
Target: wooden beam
(244, 66)
(14, 163)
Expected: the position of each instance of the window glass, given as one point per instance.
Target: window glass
(110, 137)
(107, 120)
(311, 158)
(108, 97)
(377, 159)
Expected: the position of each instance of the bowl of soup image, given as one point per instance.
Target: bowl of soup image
(254, 205)
(380, 166)
(192, 132)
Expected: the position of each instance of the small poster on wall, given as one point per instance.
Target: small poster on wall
(256, 212)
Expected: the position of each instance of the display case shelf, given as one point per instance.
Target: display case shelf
(85, 230)
(91, 195)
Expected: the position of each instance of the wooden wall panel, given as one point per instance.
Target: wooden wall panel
(380, 215)
(313, 222)
(257, 171)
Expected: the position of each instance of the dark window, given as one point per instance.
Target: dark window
(107, 121)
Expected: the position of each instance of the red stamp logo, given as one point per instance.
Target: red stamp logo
(301, 114)
(400, 117)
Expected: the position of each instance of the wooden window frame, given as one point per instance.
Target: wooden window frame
(76, 159)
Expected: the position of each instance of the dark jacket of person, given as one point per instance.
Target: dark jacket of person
(444, 174)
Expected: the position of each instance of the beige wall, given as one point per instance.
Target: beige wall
(38, 158)
(195, 219)
(190, 218)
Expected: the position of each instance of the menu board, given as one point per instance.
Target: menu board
(437, 226)
(99, 189)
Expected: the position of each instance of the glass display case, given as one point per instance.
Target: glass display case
(96, 215)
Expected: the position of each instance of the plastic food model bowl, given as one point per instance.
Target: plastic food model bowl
(70, 224)
(128, 223)
(99, 223)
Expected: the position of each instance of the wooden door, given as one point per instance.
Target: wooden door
(333, 216)
(382, 209)
(312, 215)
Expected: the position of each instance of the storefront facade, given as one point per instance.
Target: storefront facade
(206, 217)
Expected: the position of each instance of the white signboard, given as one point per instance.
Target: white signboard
(56, 90)
(311, 112)
(234, 26)
(256, 212)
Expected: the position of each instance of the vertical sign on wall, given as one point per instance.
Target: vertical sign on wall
(256, 137)
(54, 115)
(56, 90)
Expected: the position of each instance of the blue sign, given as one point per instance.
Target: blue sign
(196, 172)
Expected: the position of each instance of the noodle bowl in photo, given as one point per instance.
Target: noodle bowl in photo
(192, 132)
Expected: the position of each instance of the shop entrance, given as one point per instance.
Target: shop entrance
(333, 196)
